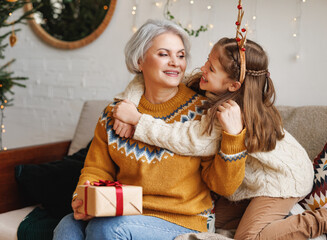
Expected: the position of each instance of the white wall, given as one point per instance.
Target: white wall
(61, 80)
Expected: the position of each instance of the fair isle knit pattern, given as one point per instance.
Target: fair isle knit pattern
(233, 157)
(127, 147)
(144, 152)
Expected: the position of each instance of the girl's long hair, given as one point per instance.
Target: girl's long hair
(256, 96)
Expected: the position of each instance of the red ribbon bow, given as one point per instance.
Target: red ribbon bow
(107, 183)
(119, 194)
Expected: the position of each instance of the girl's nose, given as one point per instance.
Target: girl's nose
(203, 69)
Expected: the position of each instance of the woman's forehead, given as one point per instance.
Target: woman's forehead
(168, 39)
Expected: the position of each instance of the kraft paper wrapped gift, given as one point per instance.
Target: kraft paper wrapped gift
(101, 201)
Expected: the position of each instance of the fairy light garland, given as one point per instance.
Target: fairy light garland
(134, 14)
(2, 130)
(210, 20)
(296, 22)
(251, 24)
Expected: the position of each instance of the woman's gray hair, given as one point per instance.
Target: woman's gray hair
(141, 41)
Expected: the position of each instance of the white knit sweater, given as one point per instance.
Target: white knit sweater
(283, 172)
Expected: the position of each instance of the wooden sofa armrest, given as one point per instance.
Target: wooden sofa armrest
(10, 198)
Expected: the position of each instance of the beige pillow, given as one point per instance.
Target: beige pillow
(308, 125)
(85, 128)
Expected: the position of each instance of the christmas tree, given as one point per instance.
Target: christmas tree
(7, 78)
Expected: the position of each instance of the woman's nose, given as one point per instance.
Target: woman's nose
(173, 62)
(203, 68)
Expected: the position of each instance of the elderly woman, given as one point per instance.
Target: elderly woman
(176, 188)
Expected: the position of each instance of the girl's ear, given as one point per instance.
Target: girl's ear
(234, 86)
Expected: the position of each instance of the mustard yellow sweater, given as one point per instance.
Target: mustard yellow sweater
(175, 188)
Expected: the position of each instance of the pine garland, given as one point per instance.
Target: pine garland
(192, 32)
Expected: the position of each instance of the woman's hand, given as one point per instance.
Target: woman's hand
(230, 117)
(123, 129)
(127, 112)
(76, 204)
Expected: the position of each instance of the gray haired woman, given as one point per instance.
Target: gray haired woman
(176, 188)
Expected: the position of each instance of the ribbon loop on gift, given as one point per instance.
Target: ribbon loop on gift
(119, 194)
(107, 183)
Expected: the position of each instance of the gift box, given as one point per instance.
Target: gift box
(105, 198)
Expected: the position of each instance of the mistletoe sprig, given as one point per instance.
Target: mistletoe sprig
(168, 15)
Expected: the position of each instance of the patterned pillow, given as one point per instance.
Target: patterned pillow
(318, 195)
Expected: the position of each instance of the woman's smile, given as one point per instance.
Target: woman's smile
(172, 73)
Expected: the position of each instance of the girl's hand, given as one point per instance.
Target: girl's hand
(123, 129)
(127, 112)
(77, 203)
(230, 117)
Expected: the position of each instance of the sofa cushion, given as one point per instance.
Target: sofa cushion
(10, 221)
(51, 184)
(86, 124)
(317, 197)
(308, 125)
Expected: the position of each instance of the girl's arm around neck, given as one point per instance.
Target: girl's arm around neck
(181, 138)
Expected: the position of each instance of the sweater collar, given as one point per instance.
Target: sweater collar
(166, 107)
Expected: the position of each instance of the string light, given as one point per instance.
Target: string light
(158, 4)
(210, 20)
(251, 23)
(134, 12)
(191, 2)
(3, 130)
(296, 22)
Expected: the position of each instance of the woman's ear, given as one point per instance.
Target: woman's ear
(234, 86)
(140, 63)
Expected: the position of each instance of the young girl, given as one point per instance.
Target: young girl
(278, 171)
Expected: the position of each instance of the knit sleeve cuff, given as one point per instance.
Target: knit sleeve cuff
(232, 144)
(141, 127)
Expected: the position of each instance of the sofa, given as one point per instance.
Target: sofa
(308, 124)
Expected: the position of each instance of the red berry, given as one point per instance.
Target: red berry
(243, 49)
(243, 29)
(238, 39)
(237, 23)
(239, 6)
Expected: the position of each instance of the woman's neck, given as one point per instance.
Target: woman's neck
(159, 95)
